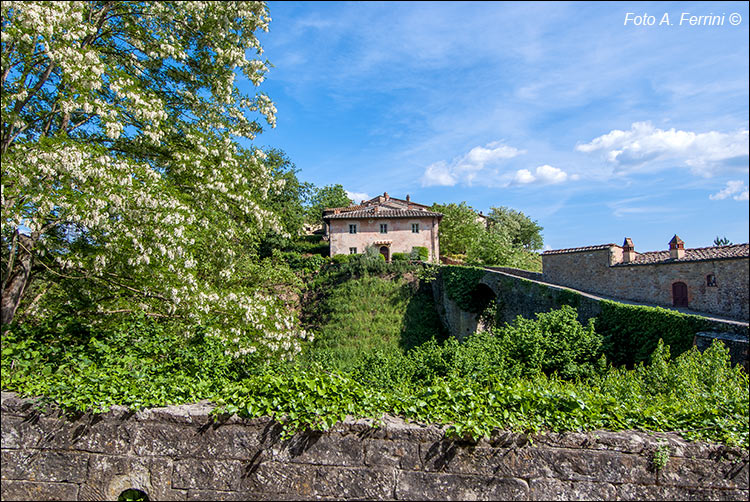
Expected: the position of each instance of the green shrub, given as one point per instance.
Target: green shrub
(631, 332)
(342, 258)
(400, 256)
(312, 244)
(142, 364)
(420, 253)
(554, 342)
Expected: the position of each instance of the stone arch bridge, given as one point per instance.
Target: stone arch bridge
(520, 292)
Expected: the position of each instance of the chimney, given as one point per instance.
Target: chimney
(676, 248)
(628, 251)
(385, 194)
(408, 199)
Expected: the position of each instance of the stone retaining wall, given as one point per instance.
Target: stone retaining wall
(180, 453)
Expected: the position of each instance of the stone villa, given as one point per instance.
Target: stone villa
(391, 225)
(713, 279)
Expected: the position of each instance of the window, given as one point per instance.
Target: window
(352, 250)
(415, 228)
(353, 229)
(711, 280)
(384, 228)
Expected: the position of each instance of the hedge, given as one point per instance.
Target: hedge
(632, 332)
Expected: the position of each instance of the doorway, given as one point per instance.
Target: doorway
(679, 294)
(385, 252)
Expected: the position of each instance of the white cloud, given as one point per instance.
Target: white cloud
(357, 196)
(545, 175)
(467, 168)
(438, 174)
(644, 146)
(735, 189)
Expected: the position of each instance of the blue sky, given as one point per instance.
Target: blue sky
(595, 128)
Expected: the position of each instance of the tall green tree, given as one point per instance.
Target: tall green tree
(288, 197)
(460, 228)
(326, 197)
(520, 229)
(721, 241)
(121, 170)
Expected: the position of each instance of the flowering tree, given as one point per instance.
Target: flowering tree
(121, 175)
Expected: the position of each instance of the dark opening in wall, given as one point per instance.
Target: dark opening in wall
(133, 495)
(481, 297)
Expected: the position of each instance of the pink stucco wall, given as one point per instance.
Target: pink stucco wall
(400, 236)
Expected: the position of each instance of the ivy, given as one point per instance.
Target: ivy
(632, 332)
(461, 285)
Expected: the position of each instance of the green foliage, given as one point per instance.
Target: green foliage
(460, 285)
(661, 456)
(521, 230)
(342, 258)
(286, 198)
(554, 342)
(419, 253)
(400, 257)
(310, 244)
(329, 196)
(131, 494)
(459, 228)
(369, 314)
(307, 264)
(722, 241)
(470, 386)
(137, 364)
(508, 239)
(631, 332)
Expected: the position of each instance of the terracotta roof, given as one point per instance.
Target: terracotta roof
(695, 254)
(383, 213)
(580, 250)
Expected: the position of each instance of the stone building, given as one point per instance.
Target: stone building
(391, 225)
(713, 280)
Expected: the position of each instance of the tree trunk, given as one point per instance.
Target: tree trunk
(18, 279)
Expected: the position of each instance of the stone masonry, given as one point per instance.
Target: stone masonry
(715, 278)
(181, 453)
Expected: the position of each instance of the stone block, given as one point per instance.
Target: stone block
(402, 454)
(108, 476)
(44, 465)
(320, 449)
(445, 486)
(554, 489)
(451, 456)
(202, 474)
(10, 433)
(629, 491)
(277, 477)
(374, 483)
(210, 441)
(595, 466)
(34, 490)
(705, 473)
(88, 433)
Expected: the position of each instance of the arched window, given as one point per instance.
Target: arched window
(711, 280)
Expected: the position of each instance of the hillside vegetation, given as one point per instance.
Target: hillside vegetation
(378, 349)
